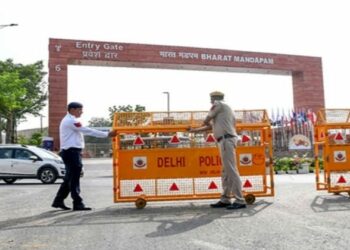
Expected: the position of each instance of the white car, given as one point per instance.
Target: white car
(21, 161)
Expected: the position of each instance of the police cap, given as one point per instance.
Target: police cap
(217, 94)
(75, 105)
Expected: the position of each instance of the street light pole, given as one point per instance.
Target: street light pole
(8, 25)
(168, 101)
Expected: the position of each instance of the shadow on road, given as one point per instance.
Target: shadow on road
(330, 203)
(202, 216)
(173, 219)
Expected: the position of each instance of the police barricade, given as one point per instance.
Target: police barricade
(332, 150)
(156, 159)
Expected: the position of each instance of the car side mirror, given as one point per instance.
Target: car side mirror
(33, 158)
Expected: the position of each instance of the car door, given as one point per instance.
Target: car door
(23, 165)
(5, 161)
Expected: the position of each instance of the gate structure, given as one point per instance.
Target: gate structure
(306, 71)
(156, 159)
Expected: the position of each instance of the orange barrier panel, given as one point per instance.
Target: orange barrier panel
(332, 150)
(155, 158)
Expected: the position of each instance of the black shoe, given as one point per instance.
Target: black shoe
(236, 206)
(81, 208)
(60, 205)
(220, 204)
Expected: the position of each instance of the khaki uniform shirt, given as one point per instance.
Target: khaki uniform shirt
(224, 121)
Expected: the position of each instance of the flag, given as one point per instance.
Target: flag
(273, 118)
(311, 116)
(278, 118)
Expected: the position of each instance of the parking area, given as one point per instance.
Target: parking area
(298, 217)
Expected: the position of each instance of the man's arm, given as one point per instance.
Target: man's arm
(97, 133)
(75, 125)
(205, 126)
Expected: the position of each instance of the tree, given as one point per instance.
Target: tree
(123, 108)
(99, 122)
(2, 127)
(22, 92)
(11, 91)
(131, 119)
(35, 139)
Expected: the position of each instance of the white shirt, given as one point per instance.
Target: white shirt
(72, 133)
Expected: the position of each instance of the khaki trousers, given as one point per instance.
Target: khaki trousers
(231, 181)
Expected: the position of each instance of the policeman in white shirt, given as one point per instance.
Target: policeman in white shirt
(72, 142)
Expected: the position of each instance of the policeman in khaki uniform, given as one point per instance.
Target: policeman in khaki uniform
(72, 143)
(222, 121)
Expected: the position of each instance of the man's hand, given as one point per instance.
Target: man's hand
(204, 127)
(191, 130)
(112, 133)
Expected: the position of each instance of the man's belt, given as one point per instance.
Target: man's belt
(72, 149)
(225, 136)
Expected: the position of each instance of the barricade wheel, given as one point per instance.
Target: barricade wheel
(249, 198)
(140, 203)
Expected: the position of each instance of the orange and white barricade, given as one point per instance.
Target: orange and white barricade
(332, 150)
(156, 159)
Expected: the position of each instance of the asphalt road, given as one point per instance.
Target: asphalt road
(298, 217)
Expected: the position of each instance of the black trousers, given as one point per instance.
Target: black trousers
(71, 182)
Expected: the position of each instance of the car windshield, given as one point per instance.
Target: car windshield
(44, 153)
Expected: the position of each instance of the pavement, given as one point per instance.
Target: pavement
(297, 217)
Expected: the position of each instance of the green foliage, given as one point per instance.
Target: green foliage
(25, 91)
(125, 108)
(35, 139)
(22, 140)
(99, 122)
(281, 163)
(12, 90)
(22, 92)
(292, 163)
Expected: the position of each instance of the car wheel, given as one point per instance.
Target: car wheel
(9, 180)
(47, 175)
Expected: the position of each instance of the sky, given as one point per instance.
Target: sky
(311, 28)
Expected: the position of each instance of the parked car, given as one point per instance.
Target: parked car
(31, 162)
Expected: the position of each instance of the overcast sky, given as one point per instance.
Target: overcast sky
(311, 28)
